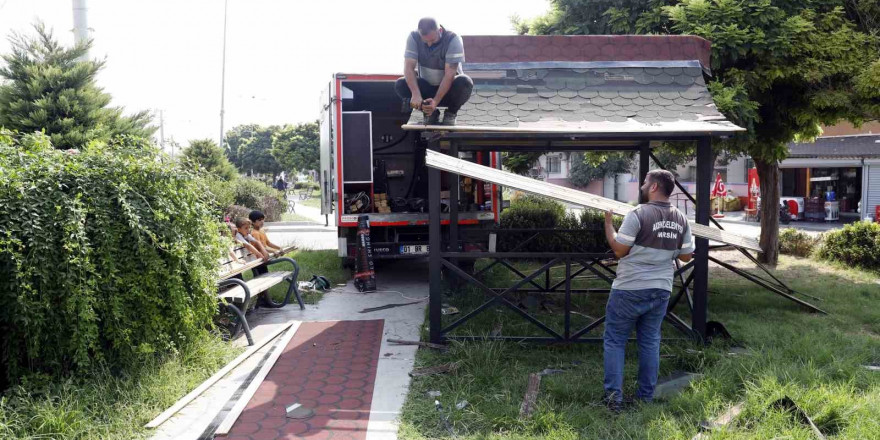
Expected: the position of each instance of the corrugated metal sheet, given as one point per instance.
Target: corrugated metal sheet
(447, 163)
(873, 190)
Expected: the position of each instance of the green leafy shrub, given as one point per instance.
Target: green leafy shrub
(107, 256)
(307, 185)
(857, 244)
(254, 194)
(797, 243)
(532, 212)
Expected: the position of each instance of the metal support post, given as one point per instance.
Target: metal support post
(435, 291)
(701, 265)
(644, 155)
(454, 181)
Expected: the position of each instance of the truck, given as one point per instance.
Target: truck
(371, 166)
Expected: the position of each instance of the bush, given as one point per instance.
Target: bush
(857, 244)
(254, 194)
(531, 212)
(307, 185)
(106, 256)
(797, 243)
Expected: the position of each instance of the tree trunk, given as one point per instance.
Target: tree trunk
(768, 173)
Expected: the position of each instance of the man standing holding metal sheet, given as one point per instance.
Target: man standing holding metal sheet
(651, 237)
(432, 75)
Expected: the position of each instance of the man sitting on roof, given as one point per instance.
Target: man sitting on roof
(437, 54)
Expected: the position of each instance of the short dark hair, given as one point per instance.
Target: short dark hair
(256, 215)
(427, 25)
(664, 180)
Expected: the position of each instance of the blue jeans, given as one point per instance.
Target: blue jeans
(645, 310)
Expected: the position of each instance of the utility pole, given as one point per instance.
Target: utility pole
(223, 74)
(162, 132)
(80, 24)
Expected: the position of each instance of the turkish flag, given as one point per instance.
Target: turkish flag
(719, 189)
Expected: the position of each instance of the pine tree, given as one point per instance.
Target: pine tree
(206, 154)
(52, 88)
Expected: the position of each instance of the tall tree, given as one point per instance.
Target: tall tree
(780, 68)
(250, 149)
(295, 147)
(584, 170)
(209, 156)
(51, 88)
(234, 138)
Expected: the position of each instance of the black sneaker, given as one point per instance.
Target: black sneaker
(448, 118)
(612, 403)
(434, 119)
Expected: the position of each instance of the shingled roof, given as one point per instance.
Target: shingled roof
(589, 83)
(856, 146)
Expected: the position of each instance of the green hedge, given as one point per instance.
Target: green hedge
(106, 255)
(856, 244)
(797, 243)
(307, 185)
(532, 212)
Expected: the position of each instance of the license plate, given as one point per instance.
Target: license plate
(414, 249)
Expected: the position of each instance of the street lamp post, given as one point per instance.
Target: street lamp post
(223, 74)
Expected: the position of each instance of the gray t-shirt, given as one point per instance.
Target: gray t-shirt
(417, 49)
(658, 234)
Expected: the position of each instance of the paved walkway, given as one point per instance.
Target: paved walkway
(404, 282)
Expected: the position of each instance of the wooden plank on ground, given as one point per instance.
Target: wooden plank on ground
(230, 419)
(462, 167)
(185, 400)
(531, 397)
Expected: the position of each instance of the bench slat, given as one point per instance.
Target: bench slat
(256, 285)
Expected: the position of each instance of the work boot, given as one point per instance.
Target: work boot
(611, 402)
(434, 119)
(448, 118)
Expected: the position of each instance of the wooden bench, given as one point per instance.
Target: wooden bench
(238, 295)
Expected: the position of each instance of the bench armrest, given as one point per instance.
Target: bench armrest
(291, 261)
(235, 281)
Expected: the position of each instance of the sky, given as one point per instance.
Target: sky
(167, 54)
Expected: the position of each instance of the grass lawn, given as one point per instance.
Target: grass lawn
(114, 405)
(324, 263)
(314, 201)
(814, 359)
(109, 405)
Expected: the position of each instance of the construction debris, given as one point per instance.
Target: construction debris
(434, 394)
(720, 421)
(674, 383)
(388, 306)
(461, 405)
(297, 411)
(449, 310)
(872, 367)
(444, 418)
(437, 369)
(420, 343)
(531, 397)
(786, 404)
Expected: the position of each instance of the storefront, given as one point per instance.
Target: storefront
(842, 173)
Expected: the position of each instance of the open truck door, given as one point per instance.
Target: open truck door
(328, 171)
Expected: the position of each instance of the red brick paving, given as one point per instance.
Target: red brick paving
(329, 367)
